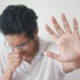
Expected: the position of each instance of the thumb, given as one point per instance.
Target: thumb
(52, 55)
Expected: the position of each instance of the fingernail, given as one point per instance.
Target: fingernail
(48, 54)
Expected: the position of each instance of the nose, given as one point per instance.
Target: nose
(17, 50)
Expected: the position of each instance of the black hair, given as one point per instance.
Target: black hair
(17, 19)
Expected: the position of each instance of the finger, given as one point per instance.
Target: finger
(75, 26)
(52, 34)
(53, 56)
(16, 64)
(57, 27)
(16, 59)
(65, 23)
(15, 55)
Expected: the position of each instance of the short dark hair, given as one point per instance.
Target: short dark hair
(17, 19)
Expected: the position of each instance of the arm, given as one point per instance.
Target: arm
(7, 75)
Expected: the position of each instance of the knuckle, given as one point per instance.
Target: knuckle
(75, 28)
(51, 32)
(57, 27)
(66, 26)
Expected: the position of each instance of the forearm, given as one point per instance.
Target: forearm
(6, 76)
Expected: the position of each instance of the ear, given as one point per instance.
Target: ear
(35, 33)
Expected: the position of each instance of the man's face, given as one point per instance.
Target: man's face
(15, 40)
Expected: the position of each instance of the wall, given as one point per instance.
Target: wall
(45, 9)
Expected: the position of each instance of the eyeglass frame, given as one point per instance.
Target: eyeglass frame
(18, 45)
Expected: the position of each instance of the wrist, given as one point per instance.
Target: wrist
(66, 67)
(8, 71)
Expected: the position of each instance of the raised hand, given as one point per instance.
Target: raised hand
(68, 43)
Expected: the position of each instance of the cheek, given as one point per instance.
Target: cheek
(28, 49)
(30, 45)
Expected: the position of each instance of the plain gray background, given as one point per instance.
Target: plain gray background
(44, 10)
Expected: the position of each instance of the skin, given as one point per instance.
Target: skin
(68, 44)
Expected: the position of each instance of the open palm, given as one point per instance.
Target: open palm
(68, 43)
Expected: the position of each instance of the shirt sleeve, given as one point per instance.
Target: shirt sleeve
(60, 70)
(52, 47)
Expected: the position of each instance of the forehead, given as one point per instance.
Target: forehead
(16, 39)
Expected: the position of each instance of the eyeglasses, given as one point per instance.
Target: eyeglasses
(19, 46)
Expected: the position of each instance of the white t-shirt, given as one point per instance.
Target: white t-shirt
(41, 67)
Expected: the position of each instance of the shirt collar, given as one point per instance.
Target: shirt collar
(42, 46)
(40, 53)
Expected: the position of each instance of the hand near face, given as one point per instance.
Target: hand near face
(14, 60)
(68, 42)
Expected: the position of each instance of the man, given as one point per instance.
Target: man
(24, 59)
